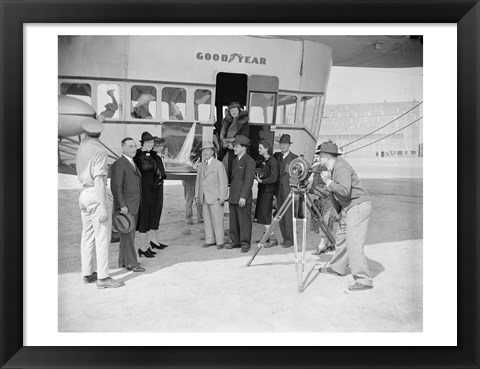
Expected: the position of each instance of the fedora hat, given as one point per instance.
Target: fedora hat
(241, 140)
(159, 140)
(328, 147)
(146, 136)
(285, 139)
(92, 126)
(123, 223)
(207, 145)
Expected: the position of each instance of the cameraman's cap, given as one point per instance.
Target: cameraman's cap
(158, 141)
(92, 126)
(285, 139)
(330, 148)
(241, 140)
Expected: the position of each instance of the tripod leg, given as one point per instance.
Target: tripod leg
(298, 268)
(304, 239)
(313, 208)
(270, 229)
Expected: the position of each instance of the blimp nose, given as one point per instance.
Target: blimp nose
(71, 113)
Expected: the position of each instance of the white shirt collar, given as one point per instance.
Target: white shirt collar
(129, 159)
(240, 156)
(286, 154)
(333, 164)
(209, 161)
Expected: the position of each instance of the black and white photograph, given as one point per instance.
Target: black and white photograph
(240, 183)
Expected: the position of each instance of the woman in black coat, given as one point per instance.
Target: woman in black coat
(266, 174)
(153, 173)
(236, 122)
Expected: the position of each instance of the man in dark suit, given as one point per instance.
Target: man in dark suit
(240, 198)
(284, 158)
(126, 189)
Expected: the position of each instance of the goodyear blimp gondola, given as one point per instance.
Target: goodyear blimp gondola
(178, 87)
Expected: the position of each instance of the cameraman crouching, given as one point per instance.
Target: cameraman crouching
(352, 204)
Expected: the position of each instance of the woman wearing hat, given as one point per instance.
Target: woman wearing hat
(266, 174)
(235, 123)
(153, 173)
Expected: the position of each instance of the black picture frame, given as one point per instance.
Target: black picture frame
(14, 14)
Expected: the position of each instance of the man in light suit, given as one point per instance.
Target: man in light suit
(240, 199)
(284, 158)
(211, 187)
(126, 188)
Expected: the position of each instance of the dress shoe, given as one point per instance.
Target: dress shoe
(189, 222)
(147, 254)
(324, 250)
(271, 242)
(90, 278)
(208, 244)
(109, 283)
(231, 246)
(221, 246)
(359, 287)
(286, 244)
(330, 271)
(137, 269)
(153, 245)
(151, 252)
(245, 249)
(160, 245)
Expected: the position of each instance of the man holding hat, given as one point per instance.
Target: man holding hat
(284, 158)
(351, 201)
(240, 199)
(211, 187)
(95, 206)
(126, 187)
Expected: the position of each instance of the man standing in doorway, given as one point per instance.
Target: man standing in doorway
(95, 206)
(352, 203)
(240, 198)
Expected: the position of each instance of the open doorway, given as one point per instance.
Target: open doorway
(229, 87)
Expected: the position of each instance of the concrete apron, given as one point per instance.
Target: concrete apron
(225, 296)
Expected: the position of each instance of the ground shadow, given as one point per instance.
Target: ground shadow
(388, 223)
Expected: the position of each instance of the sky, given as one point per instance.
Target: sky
(349, 85)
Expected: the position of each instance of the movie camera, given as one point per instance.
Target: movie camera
(300, 170)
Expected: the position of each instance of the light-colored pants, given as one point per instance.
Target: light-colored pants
(213, 220)
(350, 240)
(96, 235)
(189, 194)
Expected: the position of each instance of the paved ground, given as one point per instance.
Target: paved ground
(198, 289)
